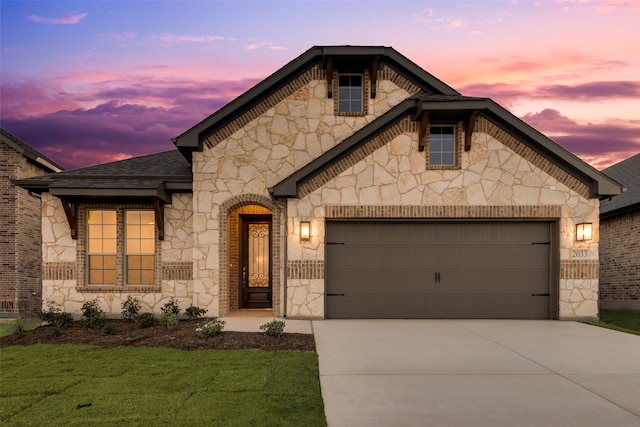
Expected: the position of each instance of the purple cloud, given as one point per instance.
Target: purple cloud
(60, 20)
(592, 90)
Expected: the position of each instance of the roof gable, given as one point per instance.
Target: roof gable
(29, 152)
(323, 57)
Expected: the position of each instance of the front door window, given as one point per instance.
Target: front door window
(256, 261)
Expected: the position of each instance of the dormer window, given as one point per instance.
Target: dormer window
(350, 93)
(441, 146)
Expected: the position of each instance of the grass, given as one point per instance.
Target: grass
(46, 385)
(619, 320)
(8, 328)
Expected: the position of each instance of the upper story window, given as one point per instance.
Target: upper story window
(442, 146)
(350, 93)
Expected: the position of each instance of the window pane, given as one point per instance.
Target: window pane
(109, 231)
(95, 277)
(434, 159)
(96, 262)
(147, 231)
(95, 231)
(134, 262)
(146, 246)
(133, 277)
(133, 217)
(147, 277)
(109, 262)
(447, 158)
(133, 246)
(147, 262)
(95, 246)
(350, 93)
(109, 246)
(110, 276)
(109, 217)
(447, 146)
(147, 217)
(133, 231)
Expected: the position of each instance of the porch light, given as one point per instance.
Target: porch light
(305, 230)
(584, 231)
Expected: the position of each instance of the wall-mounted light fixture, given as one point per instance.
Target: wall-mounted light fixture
(305, 230)
(584, 231)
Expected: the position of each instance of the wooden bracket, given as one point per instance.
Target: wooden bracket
(374, 76)
(71, 211)
(422, 134)
(468, 131)
(330, 77)
(158, 208)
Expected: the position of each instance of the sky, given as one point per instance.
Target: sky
(95, 81)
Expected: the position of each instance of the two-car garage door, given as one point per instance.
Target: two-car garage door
(496, 269)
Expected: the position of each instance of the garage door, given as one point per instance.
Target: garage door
(438, 270)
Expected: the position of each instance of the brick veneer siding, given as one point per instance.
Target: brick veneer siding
(620, 261)
(20, 239)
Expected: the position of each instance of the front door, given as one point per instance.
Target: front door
(255, 268)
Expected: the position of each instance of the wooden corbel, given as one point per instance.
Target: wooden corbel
(468, 131)
(158, 208)
(330, 77)
(374, 76)
(71, 212)
(422, 134)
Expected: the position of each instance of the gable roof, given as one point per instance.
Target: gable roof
(154, 175)
(455, 107)
(30, 153)
(191, 140)
(626, 172)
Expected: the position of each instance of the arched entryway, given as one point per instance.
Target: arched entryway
(250, 277)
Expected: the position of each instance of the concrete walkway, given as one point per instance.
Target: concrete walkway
(477, 373)
(250, 321)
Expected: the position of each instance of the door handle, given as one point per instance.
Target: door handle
(437, 277)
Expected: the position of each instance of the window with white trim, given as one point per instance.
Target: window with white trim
(350, 93)
(442, 145)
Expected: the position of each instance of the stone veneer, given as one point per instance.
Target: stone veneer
(64, 271)
(499, 178)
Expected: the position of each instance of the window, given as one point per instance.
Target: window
(350, 93)
(121, 247)
(102, 237)
(441, 146)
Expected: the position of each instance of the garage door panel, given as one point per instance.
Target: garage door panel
(432, 270)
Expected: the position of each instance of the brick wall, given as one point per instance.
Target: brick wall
(620, 261)
(20, 238)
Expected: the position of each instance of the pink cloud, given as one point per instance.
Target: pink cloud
(591, 90)
(60, 20)
(173, 38)
(601, 145)
(264, 44)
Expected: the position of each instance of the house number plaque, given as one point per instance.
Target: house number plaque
(579, 253)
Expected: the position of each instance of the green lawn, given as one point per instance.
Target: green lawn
(620, 320)
(136, 386)
(8, 328)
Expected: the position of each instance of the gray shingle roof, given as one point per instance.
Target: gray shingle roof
(626, 172)
(29, 152)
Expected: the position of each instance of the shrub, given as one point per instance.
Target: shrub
(131, 308)
(54, 315)
(274, 328)
(109, 329)
(169, 319)
(211, 328)
(171, 306)
(146, 320)
(92, 314)
(18, 329)
(194, 312)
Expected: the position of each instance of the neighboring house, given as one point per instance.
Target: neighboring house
(20, 236)
(351, 183)
(620, 239)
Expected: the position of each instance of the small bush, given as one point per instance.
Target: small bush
(55, 332)
(195, 312)
(146, 320)
(171, 306)
(54, 315)
(109, 329)
(131, 308)
(18, 329)
(169, 319)
(92, 314)
(210, 328)
(274, 328)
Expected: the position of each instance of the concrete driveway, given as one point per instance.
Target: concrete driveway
(477, 373)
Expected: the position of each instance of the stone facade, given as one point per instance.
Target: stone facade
(20, 250)
(619, 256)
(386, 176)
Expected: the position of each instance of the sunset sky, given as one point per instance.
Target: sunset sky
(95, 81)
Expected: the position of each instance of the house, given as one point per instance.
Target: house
(20, 219)
(351, 183)
(620, 239)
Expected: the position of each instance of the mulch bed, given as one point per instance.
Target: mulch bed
(183, 337)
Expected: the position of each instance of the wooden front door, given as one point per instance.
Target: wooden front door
(255, 268)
